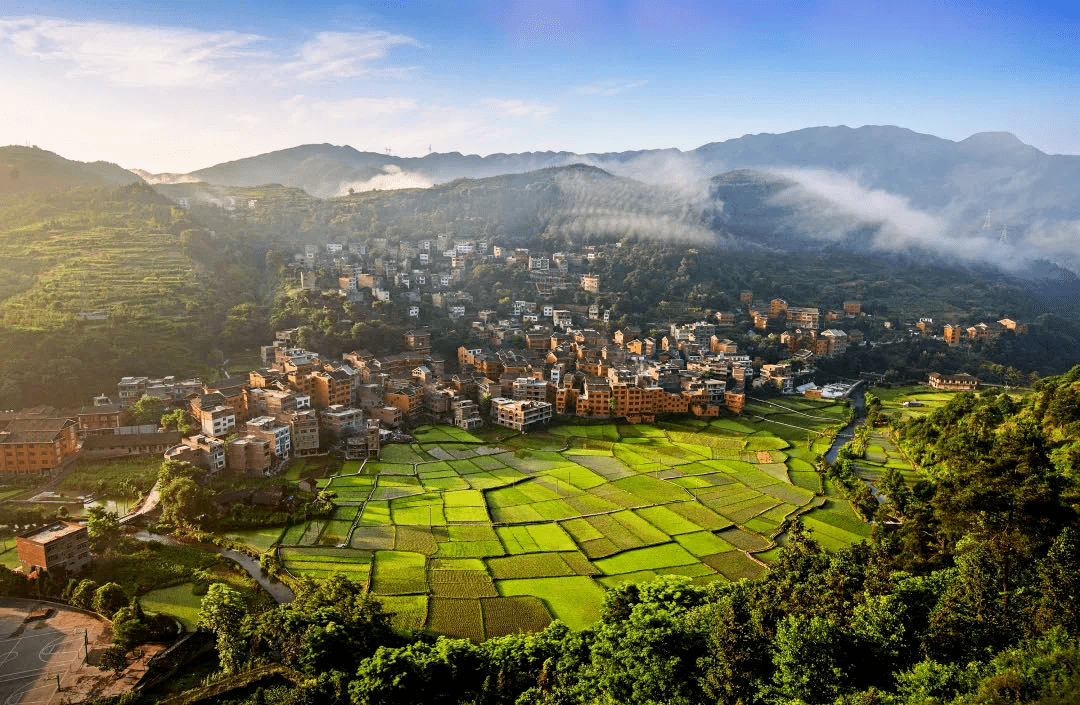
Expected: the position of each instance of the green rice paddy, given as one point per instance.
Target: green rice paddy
(472, 539)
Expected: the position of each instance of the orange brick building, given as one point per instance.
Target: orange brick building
(35, 445)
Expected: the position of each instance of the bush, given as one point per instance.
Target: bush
(83, 595)
(109, 598)
(113, 659)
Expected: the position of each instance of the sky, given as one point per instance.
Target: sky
(176, 86)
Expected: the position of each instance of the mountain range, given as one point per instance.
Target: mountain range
(989, 197)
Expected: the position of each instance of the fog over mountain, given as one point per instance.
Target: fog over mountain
(989, 197)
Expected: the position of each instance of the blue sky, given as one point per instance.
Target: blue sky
(174, 86)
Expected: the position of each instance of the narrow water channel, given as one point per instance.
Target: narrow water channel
(279, 591)
(848, 432)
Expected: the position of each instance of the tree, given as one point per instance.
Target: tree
(184, 501)
(177, 420)
(222, 612)
(83, 595)
(148, 410)
(114, 659)
(104, 529)
(109, 598)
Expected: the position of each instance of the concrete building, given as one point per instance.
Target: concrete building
(529, 389)
(955, 383)
(304, 432)
(249, 454)
(64, 545)
(278, 434)
(467, 415)
(366, 445)
(201, 451)
(520, 415)
(342, 421)
(217, 421)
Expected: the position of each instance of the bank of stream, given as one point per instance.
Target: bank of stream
(848, 432)
(277, 590)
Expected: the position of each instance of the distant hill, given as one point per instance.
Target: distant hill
(30, 170)
(572, 202)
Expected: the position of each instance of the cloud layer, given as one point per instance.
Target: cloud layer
(129, 55)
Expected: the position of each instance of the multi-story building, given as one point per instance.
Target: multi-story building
(217, 421)
(366, 445)
(956, 383)
(831, 342)
(590, 283)
(278, 434)
(342, 421)
(330, 387)
(408, 398)
(389, 416)
(201, 451)
(467, 415)
(776, 306)
(64, 545)
(304, 432)
(520, 415)
(803, 317)
(952, 334)
(561, 317)
(249, 454)
(724, 318)
(529, 389)
(31, 445)
(100, 418)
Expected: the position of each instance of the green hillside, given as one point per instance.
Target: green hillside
(34, 171)
(99, 283)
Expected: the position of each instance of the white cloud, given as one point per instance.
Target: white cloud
(517, 108)
(300, 110)
(393, 177)
(333, 55)
(609, 88)
(129, 55)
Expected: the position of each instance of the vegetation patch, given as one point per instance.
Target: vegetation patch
(574, 600)
(514, 615)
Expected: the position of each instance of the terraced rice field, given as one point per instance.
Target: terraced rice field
(474, 540)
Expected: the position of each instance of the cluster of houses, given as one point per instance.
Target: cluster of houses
(564, 369)
(382, 271)
(956, 334)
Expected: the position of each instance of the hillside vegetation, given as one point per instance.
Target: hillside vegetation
(98, 283)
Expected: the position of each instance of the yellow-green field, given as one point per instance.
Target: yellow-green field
(462, 536)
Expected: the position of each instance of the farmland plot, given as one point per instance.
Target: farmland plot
(477, 540)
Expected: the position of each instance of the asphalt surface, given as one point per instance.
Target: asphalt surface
(33, 652)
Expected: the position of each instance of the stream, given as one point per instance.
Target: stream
(848, 432)
(279, 591)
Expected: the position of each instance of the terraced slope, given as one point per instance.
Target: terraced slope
(472, 539)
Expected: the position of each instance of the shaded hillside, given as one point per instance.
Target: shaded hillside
(988, 197)
(571, 202)
(99, 283)
(33, 171)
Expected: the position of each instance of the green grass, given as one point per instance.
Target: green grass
(178, 601)
(561, 525)
(575, 600)
(398, 573)
(111, 476)
(259, 539)
(650, 558)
